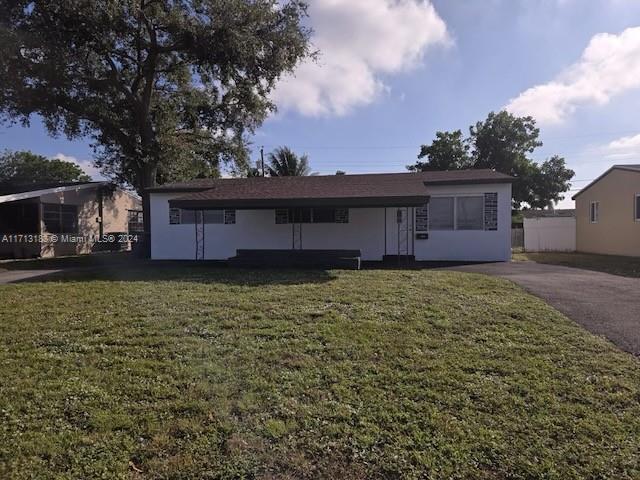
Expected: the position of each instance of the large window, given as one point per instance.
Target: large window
(459, 213)
(594, 212)
(470, 213)
(441, 213)
(60, 218)
(312, 215)
(179, 216)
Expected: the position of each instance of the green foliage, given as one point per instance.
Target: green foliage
(503, 142)
(198, 372)
(449, 151)
(166, 89)
(27, 167)
(549, 181)
(283, 162)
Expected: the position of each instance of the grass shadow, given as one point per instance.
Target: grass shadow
(184, 271)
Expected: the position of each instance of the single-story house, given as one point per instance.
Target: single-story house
(552, 230)
(608, 213)
(427, 216)
(52, 219)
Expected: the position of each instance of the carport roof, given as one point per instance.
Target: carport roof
(12, 192)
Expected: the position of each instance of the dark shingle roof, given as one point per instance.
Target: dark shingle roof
(428, 178)
(364, 189)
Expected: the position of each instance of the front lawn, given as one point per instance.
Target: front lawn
(198, 373)
(616, 265)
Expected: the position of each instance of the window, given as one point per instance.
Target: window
(470, 213)
(441, 213)
(312, 215)
(213, 216)
(187, 217)
(594, 212)
(136, 221)
(638, 207)
(60, 218)
(324, 215)
(422, 219)
(299, 215)
(174, 216)
(179, 216)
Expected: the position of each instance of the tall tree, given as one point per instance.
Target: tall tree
(27, 167)
(163, 87)
(283, 162)
(449, 151)
(502, 142)
(551, 179)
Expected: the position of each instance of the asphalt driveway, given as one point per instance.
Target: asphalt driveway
(13, 276)
(604, 304)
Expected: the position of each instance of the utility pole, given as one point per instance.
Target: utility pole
(262, 159)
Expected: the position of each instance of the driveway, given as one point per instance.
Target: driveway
(604, 304)
(11, 276)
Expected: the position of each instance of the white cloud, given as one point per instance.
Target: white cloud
(623, 148)
(86, 165)
(609, 66)
(626, 143)
(358, 41)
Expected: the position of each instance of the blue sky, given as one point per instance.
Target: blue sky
(393, 72)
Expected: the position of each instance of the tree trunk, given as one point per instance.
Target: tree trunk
(148, 181)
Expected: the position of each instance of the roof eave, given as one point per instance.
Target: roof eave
(272, 203)
(615, 167)
(484, 181)
(177, 189)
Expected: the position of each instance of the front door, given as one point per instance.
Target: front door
(199, 225)
(296, 231)
(404, 234)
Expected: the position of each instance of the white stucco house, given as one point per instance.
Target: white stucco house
(427, 216)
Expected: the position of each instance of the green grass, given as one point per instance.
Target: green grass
(213, 373)
(616, 265)
(72, 261)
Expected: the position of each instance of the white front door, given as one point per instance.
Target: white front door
(404, 231)
(296, 231)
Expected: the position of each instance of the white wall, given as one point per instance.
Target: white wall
(550, 234)
(470, 245)
(256, 229)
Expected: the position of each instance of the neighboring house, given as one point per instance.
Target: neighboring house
(453, 215)
(608, 213)
(549, 230)
(46, 220)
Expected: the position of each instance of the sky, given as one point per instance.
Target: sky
(391, 73)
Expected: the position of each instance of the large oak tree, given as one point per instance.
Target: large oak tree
(165, 88)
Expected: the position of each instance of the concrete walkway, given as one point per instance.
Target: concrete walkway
(11, 276)
(604, 304)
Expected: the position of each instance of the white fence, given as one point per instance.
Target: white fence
(550, 234)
